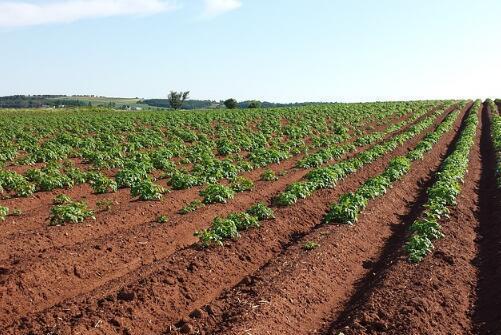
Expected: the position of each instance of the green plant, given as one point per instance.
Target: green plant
(261, 211)
(130, 177)
(181, 181)
(310, 245)
(242, 184)
(208, 237)
(322, 178)
(418, 247)
(49, 178)
(231, 103)
(496, 138)
(294, 192)
(269, 175)
(147, 190)
(347, 209)
(443, 192)
(225, 228)
(176, 99)
(101, 184)
(244, 221)
(217, 193)
(61, 199)
(254, 104)
(163, 219)
(73, 212)
(191, 207)
(4, 211)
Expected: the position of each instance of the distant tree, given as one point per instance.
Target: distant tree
(231, 103)
(255, 104)
(176, 99)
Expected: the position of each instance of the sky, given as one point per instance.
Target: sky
(273, 50)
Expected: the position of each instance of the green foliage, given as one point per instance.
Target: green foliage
(244, 221)
(323, 178)
(496, 138)
(217, 193)
(263, 157)
(350, 205)
(101, 184)
(176, 99)
(346, 210)
(294, 192)
(129, 177)
(310, 245)
(231, 103)
(49, 178)
(443, 192)
(181, 181)
(191, 207)
(73, 212)
(4, 211)
(261, 211)
(76, 175)
(208, 237)
(254, 104)
(12, 181)
(62, 199)
(242, 184)
(185, 147)
(147, 190)
(163, 219)
(418, 247)
(229, 227)
(225, 228)
(269, 175)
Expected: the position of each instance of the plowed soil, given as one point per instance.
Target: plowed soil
(127, 274)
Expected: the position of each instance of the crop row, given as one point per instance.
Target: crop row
(206, 167)
(444, 192)
(328, 177)
(105, 139)
(335, 151)
(230, 226)
(350, 205)
(325, 177)
(496, 137)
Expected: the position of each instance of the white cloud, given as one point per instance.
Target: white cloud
(216, 7)
(23, 13)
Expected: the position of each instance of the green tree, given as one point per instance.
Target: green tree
(176, 99)
(231, 103)
(255, 104)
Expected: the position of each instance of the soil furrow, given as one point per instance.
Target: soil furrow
(170, 288)
(87, 266)
(280, 298)
(487, 315)
(435, 296)
(30, 229)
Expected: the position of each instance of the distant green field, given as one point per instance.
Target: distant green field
(97, 101)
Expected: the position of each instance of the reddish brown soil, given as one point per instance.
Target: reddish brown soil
(280, 297)
(436, 296)
(120, 241)
(173, 267)
(488, 308)
(96, 257)
(126, 274)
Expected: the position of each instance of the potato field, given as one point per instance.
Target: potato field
(361, 218)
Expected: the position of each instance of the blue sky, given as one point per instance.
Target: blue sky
(275, 50)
